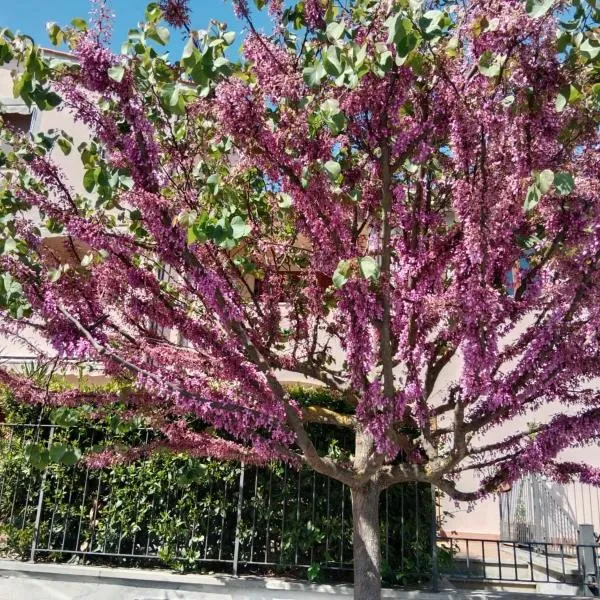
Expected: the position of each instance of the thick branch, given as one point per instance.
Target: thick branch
(386, 352)
(326, 416)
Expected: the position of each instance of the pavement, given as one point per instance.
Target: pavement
(26, 581)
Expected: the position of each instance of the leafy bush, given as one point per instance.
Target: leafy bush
(183, 511)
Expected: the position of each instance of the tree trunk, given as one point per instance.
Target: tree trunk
(365, 538)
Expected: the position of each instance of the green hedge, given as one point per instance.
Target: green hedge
(183, 511)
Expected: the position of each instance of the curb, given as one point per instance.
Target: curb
(192, 582)
(226, 584)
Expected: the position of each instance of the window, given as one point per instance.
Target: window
(17, 116)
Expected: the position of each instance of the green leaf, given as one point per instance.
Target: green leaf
(87, 260)
(37, 455)
(71, 456)
(9, 244)
(392, 24)
(538, 8)
(369, 268)
(116, 73)
(47, 100)
(385, 61)
(160, 35)
(589, 48)
(333, 169)
(188, 49)
(54, 275)
(563, 183)
(330, 106)
(561, 102)
(433, 23)
(285, 201)
(532, 198)
(313, 74)
(335, 31)
(401, 34)
(196, 235)
(79, 24)
(240, 227)
(65, 145)
(545, 180)
(57, 451)
(490, 64)
(229, 37)
(55, 33)
(333, 117)
(89, 180)
(332, 61)
(337, 123)
(341, 274)
(567, 95)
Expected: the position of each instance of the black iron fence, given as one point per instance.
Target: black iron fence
(187, 512)
(522, 562)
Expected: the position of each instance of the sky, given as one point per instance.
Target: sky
(31, 16)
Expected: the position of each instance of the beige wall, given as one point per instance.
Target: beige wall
(11, 350)
(483, 518)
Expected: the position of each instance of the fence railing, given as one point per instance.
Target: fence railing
(532, 511)
(523, 562)
(187, 512)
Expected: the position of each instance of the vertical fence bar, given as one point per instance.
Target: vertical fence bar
(435, 576)
(8, 453)
(254, 503)
(468, 561)
(343, 519)
(314, 500)
(224, 510)
(40, 505)
(31, 479)
(238, 524)
(417, 530)
(531, 562)
(483, 558)
(499, 560)
(297, 517)
(207, 531)
(281, 541)
(267, 537)
(387, 526)
(402, 525)
(327, 521)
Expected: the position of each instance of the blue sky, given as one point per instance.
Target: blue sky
(31, 16)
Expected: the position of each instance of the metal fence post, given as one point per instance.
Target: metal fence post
(435, 576)
(40, 505)
(238, 524)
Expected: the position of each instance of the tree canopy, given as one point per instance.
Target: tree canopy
(374, 194)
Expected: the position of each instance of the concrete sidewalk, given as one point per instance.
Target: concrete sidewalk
(26, 581)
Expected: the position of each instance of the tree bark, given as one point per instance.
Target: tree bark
(366, 542)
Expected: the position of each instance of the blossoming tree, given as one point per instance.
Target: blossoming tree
(374, 192)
